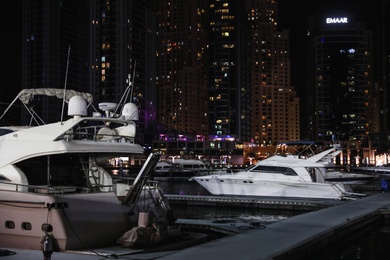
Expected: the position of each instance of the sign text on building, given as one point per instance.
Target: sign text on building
(337, 20)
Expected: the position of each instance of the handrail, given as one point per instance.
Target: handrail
(55, 189)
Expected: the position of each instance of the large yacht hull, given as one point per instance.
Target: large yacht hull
(103, 220)
(219, 185)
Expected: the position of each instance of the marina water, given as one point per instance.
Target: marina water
(263, 216)
(372, 245)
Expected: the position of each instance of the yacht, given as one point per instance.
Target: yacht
(330, 171)
(280, 176)
(52, 187)
(345, 177)
(179, 169)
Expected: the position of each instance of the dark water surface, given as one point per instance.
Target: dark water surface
(207, 212)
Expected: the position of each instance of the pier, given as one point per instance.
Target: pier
(298, 237)
(326, 226)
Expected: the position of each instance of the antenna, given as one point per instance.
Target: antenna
(132, 83)
(129, 89)
(66, 79)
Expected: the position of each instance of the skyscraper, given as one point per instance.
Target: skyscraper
(107, 45)
(229, 85)
(182, 65)
(275, 107)
(54, 32)
(339, 79)
(122, 44)
(381, 72)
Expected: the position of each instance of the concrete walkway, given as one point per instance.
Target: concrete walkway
(276, 240)
(281, 237)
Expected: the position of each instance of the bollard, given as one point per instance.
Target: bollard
(385, 185)
(48, 241)
(48, 247)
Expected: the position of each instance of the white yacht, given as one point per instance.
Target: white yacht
(279, 176)
(331, 172)
(52, 185)
(180, 169)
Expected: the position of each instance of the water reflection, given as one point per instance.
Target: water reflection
(247, 215)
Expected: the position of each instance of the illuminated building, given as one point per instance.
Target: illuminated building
(381, 72)
(229, 85)
(122, 44)
(104, 42)
(339, 79)
(182, 65)
(50, 29)
(275, 107)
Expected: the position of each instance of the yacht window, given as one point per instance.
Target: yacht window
(10, 224)
(65, 170)
(274, 169)
(5, 131)
(26, 226)
(3, 178)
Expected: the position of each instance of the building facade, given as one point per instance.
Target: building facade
(54, 50)
(274, 105)
(92, 46)
(121, 55)
(182, 65)
(382, 66)
(339, 79)
(229, 85)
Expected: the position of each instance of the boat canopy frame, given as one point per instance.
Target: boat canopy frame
(27, 95)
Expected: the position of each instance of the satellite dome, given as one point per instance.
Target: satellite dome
(77, 106)
(130, 111)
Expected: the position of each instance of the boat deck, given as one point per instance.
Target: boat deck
(292, 238)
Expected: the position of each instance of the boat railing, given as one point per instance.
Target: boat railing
(99, 133)
(53, 189)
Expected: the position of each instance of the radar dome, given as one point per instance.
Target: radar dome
(77, 106)
(130, 111)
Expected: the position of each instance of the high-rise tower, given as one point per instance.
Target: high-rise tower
(182, 65)
(230, 91)
(381, 72)
(122, 44)
(339, 84)
(53, 33)
(275, 107)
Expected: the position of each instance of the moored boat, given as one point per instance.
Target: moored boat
(180, 169)
(279, 176)
(53, 189)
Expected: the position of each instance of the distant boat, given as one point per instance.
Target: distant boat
(280, 176)
(331, 175)
(376, 171)
(181, 169)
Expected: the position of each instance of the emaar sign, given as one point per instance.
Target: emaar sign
(337, 20)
